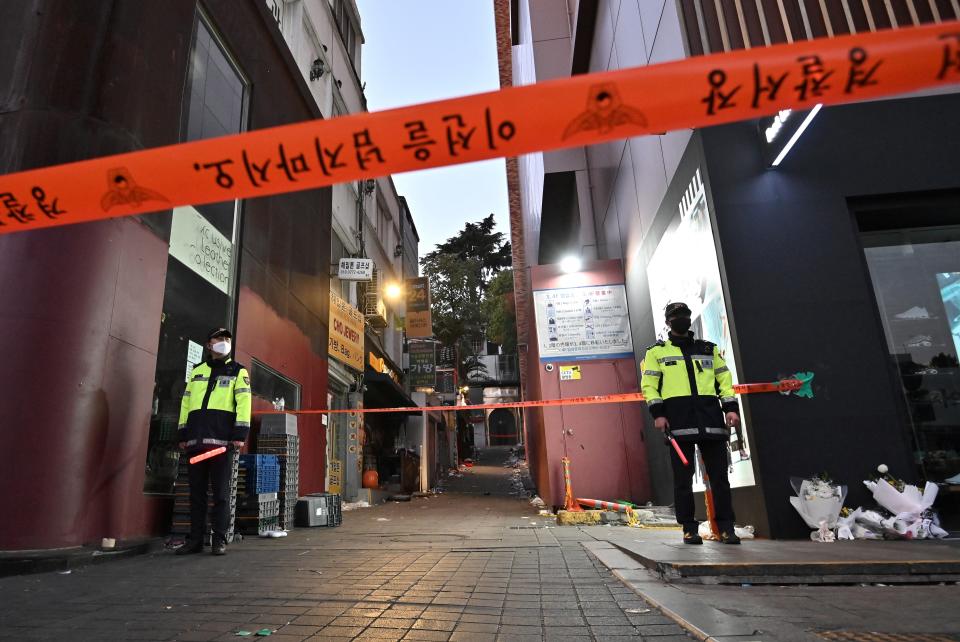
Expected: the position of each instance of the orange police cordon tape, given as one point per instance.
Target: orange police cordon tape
(569, 112)
(784, 386)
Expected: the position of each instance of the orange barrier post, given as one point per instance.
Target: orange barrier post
(569, 503)
(602, 505)
(708, 498)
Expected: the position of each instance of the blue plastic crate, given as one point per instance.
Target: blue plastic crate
(262, 473)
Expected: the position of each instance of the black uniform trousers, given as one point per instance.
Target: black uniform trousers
(715, 460)
(215, 471)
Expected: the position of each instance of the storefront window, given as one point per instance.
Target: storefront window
(272, 387)
(201, 268)
(916, 278)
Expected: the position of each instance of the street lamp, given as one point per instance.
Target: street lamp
(570, 264)
(393, 291)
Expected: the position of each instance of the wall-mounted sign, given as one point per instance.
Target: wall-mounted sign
(423, 368)
(569, 373)
(196, 243)
(345, 335)
(779, 133)
(355, 270)
(419, 320)
(380, 365)
(589, 322)
(194, 356)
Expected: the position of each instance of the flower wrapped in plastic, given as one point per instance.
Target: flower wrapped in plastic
(912, 515)
(818, 500)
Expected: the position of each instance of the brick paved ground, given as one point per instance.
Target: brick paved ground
(460, 566)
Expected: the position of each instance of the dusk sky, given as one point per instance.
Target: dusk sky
(401, 66)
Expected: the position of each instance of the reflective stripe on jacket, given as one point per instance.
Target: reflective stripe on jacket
(691, 386)
(215, 409)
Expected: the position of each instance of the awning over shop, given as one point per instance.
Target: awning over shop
(383, 392)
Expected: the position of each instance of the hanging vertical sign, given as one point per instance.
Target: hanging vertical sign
(419, 320)
(423, 368)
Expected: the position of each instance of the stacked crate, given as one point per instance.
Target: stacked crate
(319, 509)
(278, 436)
(258, 481)
(180, 528)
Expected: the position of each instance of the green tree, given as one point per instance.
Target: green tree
(499, 309)
(461, 270)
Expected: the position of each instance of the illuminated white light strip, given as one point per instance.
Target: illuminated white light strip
(796, 135)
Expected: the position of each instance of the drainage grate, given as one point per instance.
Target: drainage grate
(872, 636)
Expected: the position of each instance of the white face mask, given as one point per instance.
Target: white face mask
(221, 348)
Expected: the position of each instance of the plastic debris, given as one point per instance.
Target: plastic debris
(265, 632)
(244, 634)
(637, 611)
(67, 572)
(355, 505)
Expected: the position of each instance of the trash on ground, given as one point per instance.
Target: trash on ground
(637, 611)
(355, 505)
(274, 534)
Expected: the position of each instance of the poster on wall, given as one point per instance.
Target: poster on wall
(685, 268)
(589, 322)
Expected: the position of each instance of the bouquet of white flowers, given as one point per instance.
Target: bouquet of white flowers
(912, 515)
(818, 500)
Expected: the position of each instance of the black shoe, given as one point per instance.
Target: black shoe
(219, 548)
(692, 538)
(729, 537)
(190, 549)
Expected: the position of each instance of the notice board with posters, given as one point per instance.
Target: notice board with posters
(588, 322)
(423, 368)
(345, 342)
(419, 319)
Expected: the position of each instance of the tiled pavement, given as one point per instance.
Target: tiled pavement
(460, 566)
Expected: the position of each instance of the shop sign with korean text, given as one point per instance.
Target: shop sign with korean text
(423, 368)
(355, 270)
(346, 333)
(589, 322)
(419, 319)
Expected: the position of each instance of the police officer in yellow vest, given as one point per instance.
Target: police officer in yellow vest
(689, 391)
(215, 412)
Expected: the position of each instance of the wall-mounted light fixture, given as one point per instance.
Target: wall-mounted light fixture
(316, 69)
(570, 264)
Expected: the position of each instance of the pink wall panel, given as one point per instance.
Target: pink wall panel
(280, 344)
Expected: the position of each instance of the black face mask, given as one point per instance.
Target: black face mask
(679, 325)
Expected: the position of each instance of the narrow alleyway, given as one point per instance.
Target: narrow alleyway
(455, 566)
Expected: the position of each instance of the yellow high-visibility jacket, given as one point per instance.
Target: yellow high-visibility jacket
(215, 409)
(688, 382)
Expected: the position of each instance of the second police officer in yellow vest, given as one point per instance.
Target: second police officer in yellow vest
(215, 412)
(689, 392)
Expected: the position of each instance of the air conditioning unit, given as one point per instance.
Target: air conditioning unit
(374, 309)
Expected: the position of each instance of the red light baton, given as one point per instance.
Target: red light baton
(676, 447)
(222, 449)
